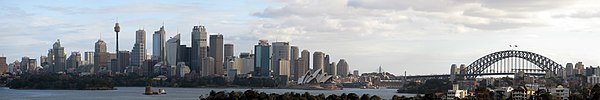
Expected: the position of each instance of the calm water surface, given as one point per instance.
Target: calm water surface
(135, 93)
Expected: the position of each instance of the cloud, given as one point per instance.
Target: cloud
(126, 8)
(580, 14)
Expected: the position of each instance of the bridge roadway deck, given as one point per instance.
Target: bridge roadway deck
(448, 75)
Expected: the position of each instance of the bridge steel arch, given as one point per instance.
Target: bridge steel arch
(478, 66)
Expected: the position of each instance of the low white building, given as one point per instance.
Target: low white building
(455, 93)
(560, 93)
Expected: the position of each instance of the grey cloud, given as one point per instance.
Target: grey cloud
(526, 5)
(581, 14)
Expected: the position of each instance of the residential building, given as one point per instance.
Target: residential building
(560, 93)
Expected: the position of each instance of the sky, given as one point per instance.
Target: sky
(416, 36)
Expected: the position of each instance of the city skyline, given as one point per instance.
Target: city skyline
(408, 38)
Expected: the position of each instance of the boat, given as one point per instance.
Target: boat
(162, 91)
(148, 91)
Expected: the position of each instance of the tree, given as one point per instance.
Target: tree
(596, 92)
(353, 96)
(365, 97)
(375, 97)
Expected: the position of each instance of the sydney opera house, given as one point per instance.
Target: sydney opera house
(316, 80)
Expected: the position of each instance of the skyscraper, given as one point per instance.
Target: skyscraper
(3, 65)
(185, 53)
(88, 57)
(305, 66)
(208, 66)
(326, 63)
(342, 68)
(318, 61)
(123, 61)
(228, 50)
(230, 63)
(73, 62)
(294, 56)
(247, 61)
(172, 49)
(138, 53)
(331, 69)
(158, 47)
(100, 57)
(28, 65)
(199, 48)
(281, 52)
(59, 57)
(262, 55)
(216, 51)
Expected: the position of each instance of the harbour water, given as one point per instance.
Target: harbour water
(135, 93)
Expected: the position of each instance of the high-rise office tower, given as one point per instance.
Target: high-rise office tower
(199, 48)
(172, 49)
(305, 66)
(158, 47)
(247, 61)
(342, 68)
(185, 53)
(228, 50)
(569, 69)
(230, 60)
(24, 65)
(294, 56)
(28, 65)
(331, 69)
(138, 53)
(326, 63)
(123, 62)
(281, 52)
(262, 55)
(208, 66)
(59, 57)
(216, 51)
(318, 61)
(3, 65)
(47, 64)
(100, 57)
(73, 62)
(88, 58)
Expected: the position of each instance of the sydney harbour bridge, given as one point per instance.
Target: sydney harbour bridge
(506, 62)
